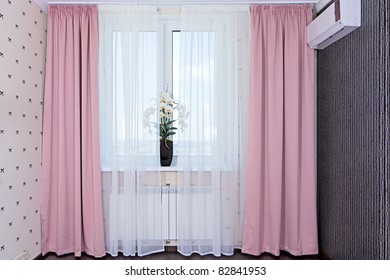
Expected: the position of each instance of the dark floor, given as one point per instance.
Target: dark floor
(172, 255)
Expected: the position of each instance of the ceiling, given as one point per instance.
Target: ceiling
(43, 3)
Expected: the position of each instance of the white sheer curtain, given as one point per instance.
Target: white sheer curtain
(128, 46)
(213, 85)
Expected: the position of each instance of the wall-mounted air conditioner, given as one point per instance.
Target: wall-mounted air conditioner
(337, 20)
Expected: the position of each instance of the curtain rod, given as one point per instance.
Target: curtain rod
(181, 2)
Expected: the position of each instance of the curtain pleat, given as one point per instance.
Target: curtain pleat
(72, 215)
(280, 210)
(213, 87)
(128, 72)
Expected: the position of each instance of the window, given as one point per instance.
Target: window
(173, 57)
(147, 43)
(199, 99)
(121, 111)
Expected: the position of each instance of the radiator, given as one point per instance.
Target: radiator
(167, 195)
(169, 206)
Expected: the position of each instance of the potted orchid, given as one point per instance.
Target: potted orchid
(165, 107)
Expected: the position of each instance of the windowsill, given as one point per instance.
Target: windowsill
(151, 169)
(173, 168)
(167, 169)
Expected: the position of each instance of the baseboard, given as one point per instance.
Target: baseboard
(170, 248)
(324, 256)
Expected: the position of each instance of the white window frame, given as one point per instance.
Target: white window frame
(167, 24)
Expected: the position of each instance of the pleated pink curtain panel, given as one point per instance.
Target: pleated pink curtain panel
(72, 216)
(280, 211)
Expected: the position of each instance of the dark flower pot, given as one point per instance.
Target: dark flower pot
(166, 152)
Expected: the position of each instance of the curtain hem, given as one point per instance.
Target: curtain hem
(72, 251)
(135, 254)
(276, 252)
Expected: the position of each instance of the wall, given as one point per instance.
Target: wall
(353, 140)
(22, 52)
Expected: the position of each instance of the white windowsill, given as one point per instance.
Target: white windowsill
(151, 169)
(173, 168)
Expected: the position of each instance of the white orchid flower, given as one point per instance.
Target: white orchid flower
(145, 122)
(169, 109)
(165, 105)
(169, 101)
(181, 107)
(182, 124)
(149, 111)
(152, 110)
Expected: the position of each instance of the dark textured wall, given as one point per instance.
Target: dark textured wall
(353, 140)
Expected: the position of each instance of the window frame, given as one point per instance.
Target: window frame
(167, 25)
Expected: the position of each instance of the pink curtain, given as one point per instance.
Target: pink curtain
(72, 216)
(280, 211)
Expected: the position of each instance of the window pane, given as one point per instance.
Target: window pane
(193, 84)
(134, 85)
(175, 74)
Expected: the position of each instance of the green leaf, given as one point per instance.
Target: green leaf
(170, 122)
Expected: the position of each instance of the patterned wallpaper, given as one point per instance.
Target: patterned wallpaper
(353, 140)
(22, 54)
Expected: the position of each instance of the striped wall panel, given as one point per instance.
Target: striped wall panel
(353, 140)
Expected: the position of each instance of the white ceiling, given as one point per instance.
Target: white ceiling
(43, 3)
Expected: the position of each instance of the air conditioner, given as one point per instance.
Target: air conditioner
(337, 20)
